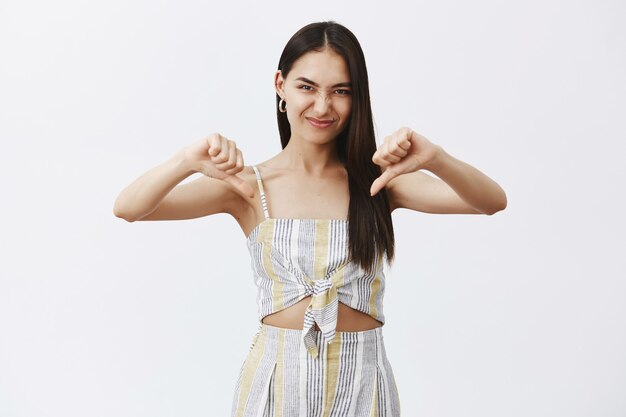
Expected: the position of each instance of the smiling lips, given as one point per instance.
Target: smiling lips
(319, 123)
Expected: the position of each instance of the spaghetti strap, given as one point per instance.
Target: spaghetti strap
(262, 192)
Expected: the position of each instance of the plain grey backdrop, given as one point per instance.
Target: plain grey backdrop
(517, 314)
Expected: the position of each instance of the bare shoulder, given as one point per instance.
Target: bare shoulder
(426, 193)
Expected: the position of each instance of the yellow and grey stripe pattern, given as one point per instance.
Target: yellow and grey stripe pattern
(294, 258)
(350, 377)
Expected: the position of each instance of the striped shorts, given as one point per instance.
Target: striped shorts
(351, 376)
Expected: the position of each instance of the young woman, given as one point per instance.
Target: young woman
(317, 222)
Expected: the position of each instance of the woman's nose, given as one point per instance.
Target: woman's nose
(322, 102)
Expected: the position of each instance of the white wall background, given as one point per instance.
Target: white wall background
(517, 314)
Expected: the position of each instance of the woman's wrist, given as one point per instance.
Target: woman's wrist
(184, 163)
(435, 163)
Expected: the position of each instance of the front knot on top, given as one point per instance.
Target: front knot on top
(322, 310)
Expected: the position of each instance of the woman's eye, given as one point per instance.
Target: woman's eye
(309, 88)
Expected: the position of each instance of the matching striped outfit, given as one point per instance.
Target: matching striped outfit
(307, 372)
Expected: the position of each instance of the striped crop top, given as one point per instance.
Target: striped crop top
(294, 258)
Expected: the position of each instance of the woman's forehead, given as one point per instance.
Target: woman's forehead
(323, 68)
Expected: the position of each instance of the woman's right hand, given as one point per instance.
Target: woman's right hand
(218, 157)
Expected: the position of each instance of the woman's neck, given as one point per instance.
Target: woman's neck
(311, 158)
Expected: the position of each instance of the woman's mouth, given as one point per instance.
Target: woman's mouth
(319, 123)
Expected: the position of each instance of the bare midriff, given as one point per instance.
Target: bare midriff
(348, 319)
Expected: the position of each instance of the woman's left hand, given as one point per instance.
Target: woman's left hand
(402, 152)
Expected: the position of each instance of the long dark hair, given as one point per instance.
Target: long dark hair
(370, 226)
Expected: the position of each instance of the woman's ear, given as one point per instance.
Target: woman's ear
(279, 83)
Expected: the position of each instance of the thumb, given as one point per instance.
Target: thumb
(240, 185)
(381, 181)
(392, 171)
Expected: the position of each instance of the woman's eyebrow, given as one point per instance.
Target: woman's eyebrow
(306, 80)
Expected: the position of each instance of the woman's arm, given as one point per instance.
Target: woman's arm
(143, 195)
(154, 195)
(461, 189)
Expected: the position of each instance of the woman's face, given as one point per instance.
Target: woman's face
(318, 94)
